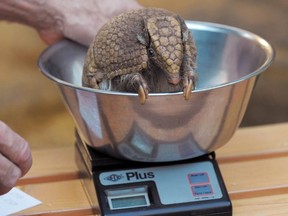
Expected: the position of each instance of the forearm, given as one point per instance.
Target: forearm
(37, 14)
(93, 15)
(74, 19)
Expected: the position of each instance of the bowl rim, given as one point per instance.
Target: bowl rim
(197, 25)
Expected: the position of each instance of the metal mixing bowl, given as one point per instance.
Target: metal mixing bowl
(166, 128)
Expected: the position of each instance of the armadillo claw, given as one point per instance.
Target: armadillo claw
(142, 94)
(188, 89)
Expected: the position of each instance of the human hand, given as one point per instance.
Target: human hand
(15, 158)
(73, 19)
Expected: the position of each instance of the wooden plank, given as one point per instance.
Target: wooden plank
(273, 205)
(255, 142)
(63, 197)
(251, 176)
(52, 164)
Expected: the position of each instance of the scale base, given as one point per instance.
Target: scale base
(96, 167)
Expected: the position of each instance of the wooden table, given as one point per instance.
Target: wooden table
(254, 165)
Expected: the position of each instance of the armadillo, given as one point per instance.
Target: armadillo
(145, 50)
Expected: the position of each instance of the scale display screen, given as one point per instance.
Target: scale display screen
(128, 202)
(128, 198)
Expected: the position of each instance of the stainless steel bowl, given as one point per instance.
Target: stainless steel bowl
(166, 128)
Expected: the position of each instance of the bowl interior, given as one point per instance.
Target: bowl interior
(225, 55)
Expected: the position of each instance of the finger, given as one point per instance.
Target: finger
(50, 36)
(15, 148)
(9, 174)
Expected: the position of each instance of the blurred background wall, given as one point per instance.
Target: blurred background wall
(30, 103)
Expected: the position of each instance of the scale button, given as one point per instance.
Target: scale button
(202, 190)
(198, 178)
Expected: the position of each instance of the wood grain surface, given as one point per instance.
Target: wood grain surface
(253, 168)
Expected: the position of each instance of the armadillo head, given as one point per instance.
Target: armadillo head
(166, 47)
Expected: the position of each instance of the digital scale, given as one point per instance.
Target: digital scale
(166, 127)
(125, 188)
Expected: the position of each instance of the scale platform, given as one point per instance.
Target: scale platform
(125, 188)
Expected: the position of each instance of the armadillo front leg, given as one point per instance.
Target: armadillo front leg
(189, 80)
(135, 83)
(189, 75)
